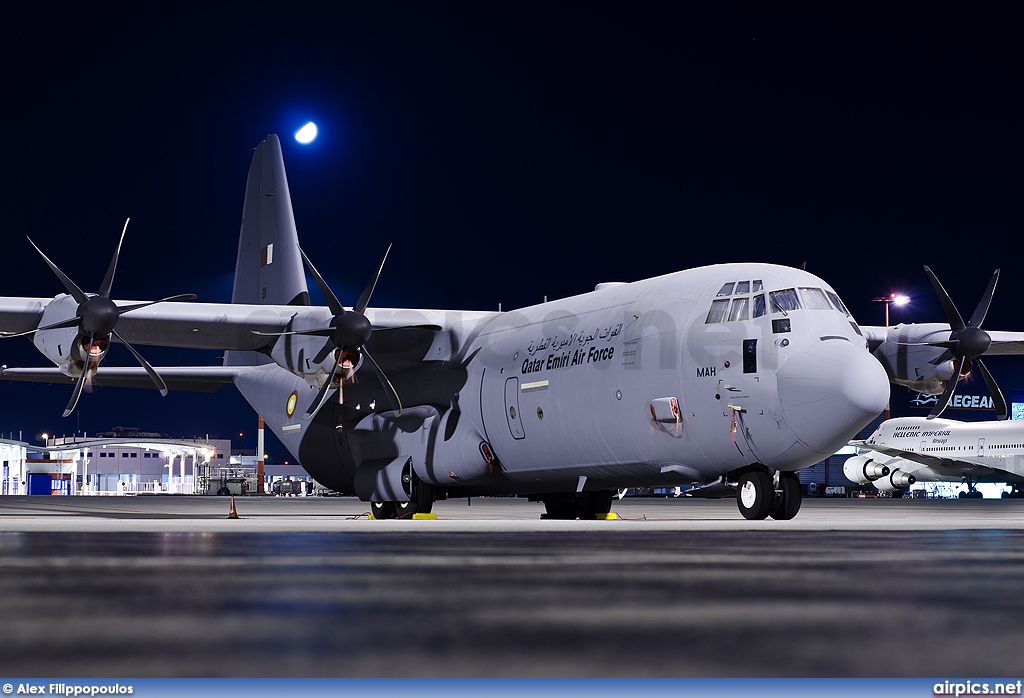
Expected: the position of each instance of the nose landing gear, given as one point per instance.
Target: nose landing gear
(759, 495)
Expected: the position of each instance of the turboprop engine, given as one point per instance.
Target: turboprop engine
(911, 362)
(863, 469)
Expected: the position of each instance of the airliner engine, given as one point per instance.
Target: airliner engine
(896, 480)
(863, 469)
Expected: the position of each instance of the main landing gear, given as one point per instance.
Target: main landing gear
(1014, 493)
(421, 503)
(759, 495)
(971, 492)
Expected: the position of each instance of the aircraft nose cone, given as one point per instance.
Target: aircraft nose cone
(829, 391)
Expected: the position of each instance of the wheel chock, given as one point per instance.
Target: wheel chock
(424, 517)
(232, 513)
(610, 516)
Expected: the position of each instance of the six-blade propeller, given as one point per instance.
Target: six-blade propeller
(346, 337)
(96, 320)
(966, 343)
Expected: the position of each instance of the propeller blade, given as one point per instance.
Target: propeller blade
(321, 397)
(77, 392)
(109, 278)
(986, 300)
(332, 301)
(389, 390)
(321, 332)
(122, 309)
(73, 322)
(943, 400)
(153, 375)
(364, 299)
(998, 401)
(956, 322)
(75, 292)
(328, 347)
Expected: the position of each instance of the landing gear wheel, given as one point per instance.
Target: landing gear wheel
(755, 495)
(383, 510)
(787, 502)
(590, 505)
(424, 498)
(559, 509)
(405, 510)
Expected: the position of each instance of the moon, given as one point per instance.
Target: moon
(306, 134)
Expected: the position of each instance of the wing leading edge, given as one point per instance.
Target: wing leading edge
(199, 379)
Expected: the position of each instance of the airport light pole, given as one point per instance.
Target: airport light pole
(891, 299)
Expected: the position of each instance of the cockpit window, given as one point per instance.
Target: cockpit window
(740, 309)
(814, 298)
(758, 286)
(719, 309)
(726, 290)
(759, 308)
(837, 303)
(743, 287)
(784, 300)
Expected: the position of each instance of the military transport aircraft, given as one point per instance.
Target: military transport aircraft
(734, 373)
(905, 450)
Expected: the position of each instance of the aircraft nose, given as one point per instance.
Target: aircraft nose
(829, 391)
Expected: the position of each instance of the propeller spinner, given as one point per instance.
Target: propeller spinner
(96, 320)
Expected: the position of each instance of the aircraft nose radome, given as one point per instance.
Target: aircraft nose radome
(829, 391)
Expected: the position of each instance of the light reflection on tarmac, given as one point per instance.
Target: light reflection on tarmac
(168, 586)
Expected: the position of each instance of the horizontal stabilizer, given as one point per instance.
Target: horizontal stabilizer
(197, 379)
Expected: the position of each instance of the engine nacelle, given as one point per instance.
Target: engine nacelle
(896, 480)
(863, 469)
(908, 363)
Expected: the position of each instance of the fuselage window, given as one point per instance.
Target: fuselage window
(740, 309)
(758, 286)
(743, 287)
(784, 300)
(837, 303)
(814, 298)
(726, 290)
(719, 309)
(759, 308)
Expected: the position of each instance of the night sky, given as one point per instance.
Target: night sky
(586, 142)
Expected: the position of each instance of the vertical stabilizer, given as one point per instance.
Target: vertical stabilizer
(268, 270)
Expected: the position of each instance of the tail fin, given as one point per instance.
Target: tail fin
(268, 270)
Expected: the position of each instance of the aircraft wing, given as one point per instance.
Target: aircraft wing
(936, 467)
(225, 326)
(1006, 343)
(21, 314)
(920, 458)
(201, 379)
(1003, 343)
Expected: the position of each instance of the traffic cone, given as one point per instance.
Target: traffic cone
(232, 514)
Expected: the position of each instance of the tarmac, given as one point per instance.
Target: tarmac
(165, 586)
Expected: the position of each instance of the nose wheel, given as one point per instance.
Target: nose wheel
(758, 496)
(787, 497)
(755, 495)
